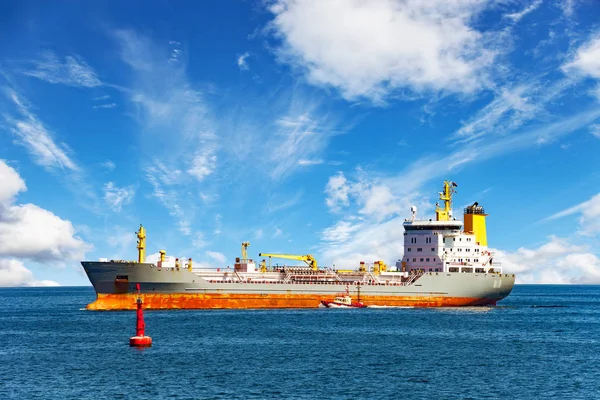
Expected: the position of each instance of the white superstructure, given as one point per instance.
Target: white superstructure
(444, 245)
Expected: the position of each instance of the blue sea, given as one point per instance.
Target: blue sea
(542, 342)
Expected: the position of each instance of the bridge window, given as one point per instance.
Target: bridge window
(419, 249)
(421, 260)
(427, 259)
(414, 259)
(433, 249)
(409, 249)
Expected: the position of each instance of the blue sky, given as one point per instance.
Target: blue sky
(301, 126)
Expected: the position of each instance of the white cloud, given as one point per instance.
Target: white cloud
(278, 202)
(108, 105)
(117, 197)
(203, 164)
(337, 192)
(28, 231)
(175, 120)
(595, 130)
(586, 60)
(199, 241)
(33, 135)
(241, 61)
(298, 135)
(568, 7)
(109, 165)
(516, 17)
(258, 234)
(589, 211)
(556, 261)
(308, 162)
(162, 181)
(12, 183)
(372, 48)
(220, 257)
(373, 196)
(512, 107)
(14, 273)
(73, 71)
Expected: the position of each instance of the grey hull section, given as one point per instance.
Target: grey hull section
(121, 278)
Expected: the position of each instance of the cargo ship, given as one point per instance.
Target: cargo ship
(446, 263)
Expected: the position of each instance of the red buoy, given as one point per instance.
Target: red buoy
(140, 339)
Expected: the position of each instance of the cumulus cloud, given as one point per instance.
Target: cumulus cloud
(117, 197)
(556, 261)
(72, 71)
(14, 273)
(372, 48)
(374, 196)
(28, 231)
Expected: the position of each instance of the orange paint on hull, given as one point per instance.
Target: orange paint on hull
(203, 301)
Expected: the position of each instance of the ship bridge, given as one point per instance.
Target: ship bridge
(432, 225)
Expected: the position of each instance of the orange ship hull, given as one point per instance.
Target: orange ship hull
(127, 301)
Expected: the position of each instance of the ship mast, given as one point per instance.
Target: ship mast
(141, 244)
(445, 213)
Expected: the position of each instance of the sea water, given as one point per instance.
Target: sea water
(540, 342)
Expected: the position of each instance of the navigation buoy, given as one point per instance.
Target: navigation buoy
(140, 339)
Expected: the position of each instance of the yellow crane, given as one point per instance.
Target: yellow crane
(308, 259)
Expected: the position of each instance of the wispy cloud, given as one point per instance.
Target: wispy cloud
(109, 165)
(308, 162)
(108, 105)
(161, 179)
(31, 133)
(595, 130)
(241, 61)
(589, 211)
(302, 133)
(281, 202)
(513, 107)
(517, 16)
(175, 119)
(72, 71)
(117, 197)
(215, 255)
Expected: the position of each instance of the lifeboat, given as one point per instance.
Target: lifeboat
(342, 301)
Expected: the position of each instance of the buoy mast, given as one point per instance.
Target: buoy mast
(140, 339)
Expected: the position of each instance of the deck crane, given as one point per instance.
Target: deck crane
(308, 259)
